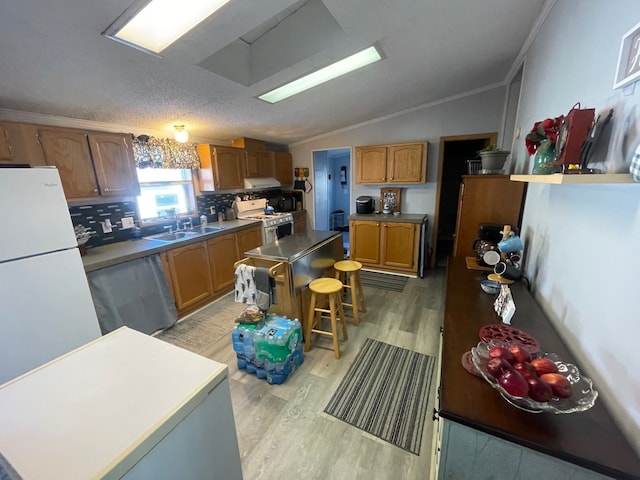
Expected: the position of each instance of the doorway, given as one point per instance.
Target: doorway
(454, 153)
(332, 178)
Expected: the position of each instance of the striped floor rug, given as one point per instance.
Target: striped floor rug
(385, 393)
(385, 281)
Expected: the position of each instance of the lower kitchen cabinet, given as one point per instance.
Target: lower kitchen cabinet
(188, 271)
(389, 246)
(248, 239)
(223, 254)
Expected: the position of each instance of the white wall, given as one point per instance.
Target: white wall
(582, 241)
(481, 112)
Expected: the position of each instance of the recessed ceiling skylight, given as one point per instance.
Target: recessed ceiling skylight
(159, 23)
(341, 67)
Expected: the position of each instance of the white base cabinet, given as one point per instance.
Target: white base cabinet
(126, 405)
(469, 454)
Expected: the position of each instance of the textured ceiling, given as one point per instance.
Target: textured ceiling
(55, 61)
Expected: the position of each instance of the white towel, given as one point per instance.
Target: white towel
(246, 284)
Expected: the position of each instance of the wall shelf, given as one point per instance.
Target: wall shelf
(575, 179)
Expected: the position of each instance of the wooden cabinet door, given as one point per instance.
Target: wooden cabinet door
(365, 241)
(407, 163)
(485, 199)
(258, 164)
(300, 223)
(249, 239)
(399, 245)
(283, 167)
(228, 168)
(114, 164)
(190, 275)
(68, 150)
(371, 164)
(223, 254)
(6, 150)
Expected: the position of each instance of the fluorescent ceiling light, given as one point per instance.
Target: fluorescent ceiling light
(341, 67)
(160, 22)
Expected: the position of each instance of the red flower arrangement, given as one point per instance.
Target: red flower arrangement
(543, 135)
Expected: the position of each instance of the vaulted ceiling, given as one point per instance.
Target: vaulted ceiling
(54, 61)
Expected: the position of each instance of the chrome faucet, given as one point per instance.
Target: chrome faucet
(177, 215)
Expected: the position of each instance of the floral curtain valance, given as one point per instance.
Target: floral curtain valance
(151, 152)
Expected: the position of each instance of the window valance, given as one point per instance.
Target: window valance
(151, 152)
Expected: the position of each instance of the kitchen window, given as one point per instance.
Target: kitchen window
(162, 191)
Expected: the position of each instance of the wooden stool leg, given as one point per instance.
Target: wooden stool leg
(354, 297)
(310, 322)
(334, 325)
(345, 334)
(360, 293)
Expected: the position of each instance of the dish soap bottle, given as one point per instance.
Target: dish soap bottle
(203, 220)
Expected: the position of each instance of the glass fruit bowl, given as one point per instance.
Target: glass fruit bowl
(583, 396)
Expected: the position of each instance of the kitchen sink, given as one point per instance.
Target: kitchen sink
(207, 229)
(182, 235)
(171, 237)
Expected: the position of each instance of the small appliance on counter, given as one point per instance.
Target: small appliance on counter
(488, 237)
(364, 204)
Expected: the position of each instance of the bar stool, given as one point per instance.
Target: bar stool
(325, 289)
(351, 268)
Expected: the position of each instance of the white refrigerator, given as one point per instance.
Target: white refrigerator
(46, 308)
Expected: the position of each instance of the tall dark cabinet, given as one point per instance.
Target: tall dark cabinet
(485, 199)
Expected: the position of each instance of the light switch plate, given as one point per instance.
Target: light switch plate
(127, 222)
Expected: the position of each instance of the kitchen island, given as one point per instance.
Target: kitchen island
(303, 258)
(483, 436)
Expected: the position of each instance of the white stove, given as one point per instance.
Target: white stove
(274, 225)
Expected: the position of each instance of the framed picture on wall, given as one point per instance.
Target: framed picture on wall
(391, 198)
(628, 70)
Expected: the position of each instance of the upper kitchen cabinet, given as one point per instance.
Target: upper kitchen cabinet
(258, 164)
(19, 144)
(114, 164)
(403, 163)
(6, 150)
(220, 167)
(283, 167)
(90, 165)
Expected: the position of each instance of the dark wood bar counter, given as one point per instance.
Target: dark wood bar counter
(588, 439)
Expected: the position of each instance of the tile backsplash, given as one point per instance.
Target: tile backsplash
(93, 216)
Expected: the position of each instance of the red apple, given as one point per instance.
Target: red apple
(539, 390)
(514, 383)
(525, 369)
(544, 365)
(497, 366)
(520, 353)
(560, 386)
(502, 352)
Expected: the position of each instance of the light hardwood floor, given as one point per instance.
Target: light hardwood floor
(282, 430)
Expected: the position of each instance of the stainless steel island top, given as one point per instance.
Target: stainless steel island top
(289, 249)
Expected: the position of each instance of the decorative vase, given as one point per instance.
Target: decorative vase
(543, 160)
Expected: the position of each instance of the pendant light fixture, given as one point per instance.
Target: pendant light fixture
(180, 133)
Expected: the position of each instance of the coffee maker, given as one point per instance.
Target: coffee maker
(489, 234)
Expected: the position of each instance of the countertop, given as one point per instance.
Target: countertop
(389, 217)
(108, 255)
(590, 439)
(288, 249)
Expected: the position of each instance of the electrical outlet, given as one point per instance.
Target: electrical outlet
(212, 210)
(127, 222)
(106, 226)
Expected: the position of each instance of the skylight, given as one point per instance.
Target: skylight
(160, 22)
(337, 69)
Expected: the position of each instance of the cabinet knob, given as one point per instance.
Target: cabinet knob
(95, 190)
(107, 189)
(384, 225)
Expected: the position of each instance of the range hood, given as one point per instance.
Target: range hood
(261, 182)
